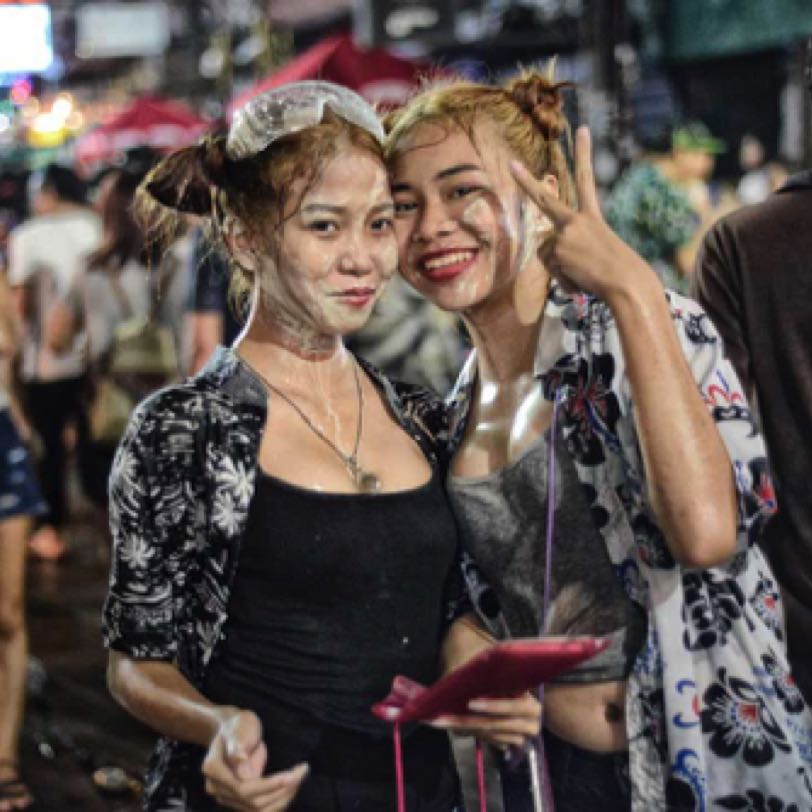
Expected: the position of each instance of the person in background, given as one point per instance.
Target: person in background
(662, 205)
(47, 253)
(20, 500)
(761, 178)
(283, 542)
(211, 317)
(616, 408)
(753, 278)
(121, 281)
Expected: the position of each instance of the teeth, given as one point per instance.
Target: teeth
(447, 259)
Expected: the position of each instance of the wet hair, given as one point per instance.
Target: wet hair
(122, 238)
(203, 180)
(63, 182)
(527, 113)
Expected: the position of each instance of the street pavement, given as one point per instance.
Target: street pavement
(72, 726)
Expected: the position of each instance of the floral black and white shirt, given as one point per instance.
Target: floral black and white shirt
(180, 489)
(714, 719)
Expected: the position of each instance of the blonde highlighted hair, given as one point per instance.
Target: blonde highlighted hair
(527, 113)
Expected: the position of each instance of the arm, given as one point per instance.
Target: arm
(19, 274)
(61, 328)
(501, 722)
(140, 631)
(688, 470)
(464, 640)
(10, 337)
(157, 694)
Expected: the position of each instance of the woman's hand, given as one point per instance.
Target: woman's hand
(235, 762)
(582, 251)
(500, 722)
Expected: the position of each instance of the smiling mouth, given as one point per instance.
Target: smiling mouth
(447, 264)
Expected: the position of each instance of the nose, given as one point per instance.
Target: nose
(434, 220)
(357, 257)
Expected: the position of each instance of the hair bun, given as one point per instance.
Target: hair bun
(183, 180)
(542, 100)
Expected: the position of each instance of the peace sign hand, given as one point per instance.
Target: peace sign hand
(582, 251)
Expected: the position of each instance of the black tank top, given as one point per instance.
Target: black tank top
(334, 595)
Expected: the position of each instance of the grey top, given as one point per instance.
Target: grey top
(502, 519)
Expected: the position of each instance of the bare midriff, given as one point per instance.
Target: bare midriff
(591, 716)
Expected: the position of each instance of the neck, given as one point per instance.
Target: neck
(505, 330)
(289, 360)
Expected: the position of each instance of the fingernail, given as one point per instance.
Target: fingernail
(478, 705)
(299, 770)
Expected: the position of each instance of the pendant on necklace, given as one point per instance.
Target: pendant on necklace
(365, 481)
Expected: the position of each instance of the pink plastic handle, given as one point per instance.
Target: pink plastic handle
(399, 780)
(480, 777)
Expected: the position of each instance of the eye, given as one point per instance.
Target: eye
(404, 207)
(463, 191)
(382, 224)
(323, 226)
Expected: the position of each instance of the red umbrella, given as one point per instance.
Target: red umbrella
(147, 121)
(379, 76)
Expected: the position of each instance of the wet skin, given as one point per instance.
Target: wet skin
(468, 240)
(320, 278)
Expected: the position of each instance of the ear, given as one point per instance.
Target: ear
(240, 244)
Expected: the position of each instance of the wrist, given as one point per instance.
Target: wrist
(220, 716)
(637, 287)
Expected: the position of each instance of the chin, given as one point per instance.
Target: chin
(452, 298)
(349, 326)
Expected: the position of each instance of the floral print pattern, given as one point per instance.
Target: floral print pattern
(738, 722)
(713, 716)
(180, 488)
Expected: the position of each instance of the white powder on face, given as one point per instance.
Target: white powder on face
(475, 217)
(533, 227)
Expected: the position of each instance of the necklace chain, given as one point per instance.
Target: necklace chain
(364, 480)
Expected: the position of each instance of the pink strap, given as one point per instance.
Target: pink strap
(480, 777)
(399, 782)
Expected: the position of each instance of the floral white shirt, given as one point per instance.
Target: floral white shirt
(714, 719)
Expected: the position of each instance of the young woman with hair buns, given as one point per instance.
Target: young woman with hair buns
(283, 546)
(606, 475)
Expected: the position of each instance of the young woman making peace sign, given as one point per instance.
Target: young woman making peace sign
(592, 388)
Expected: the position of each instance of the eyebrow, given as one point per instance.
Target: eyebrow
(332, 209)
(444, 173)
(455, 170)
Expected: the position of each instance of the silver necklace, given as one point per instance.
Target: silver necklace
(365, 481)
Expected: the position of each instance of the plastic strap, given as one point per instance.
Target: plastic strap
(399, 781)
(541, 760)
(480, 777)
